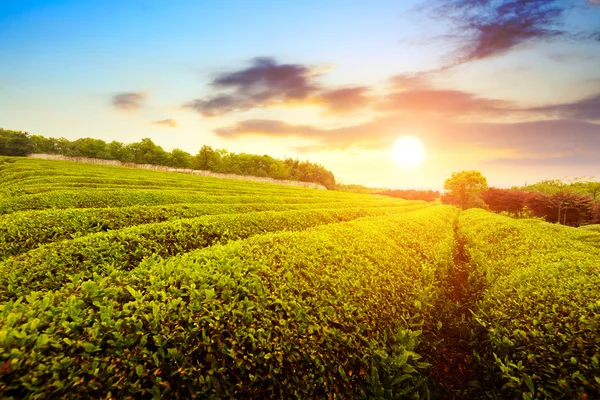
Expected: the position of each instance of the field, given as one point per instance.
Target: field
(129, 283)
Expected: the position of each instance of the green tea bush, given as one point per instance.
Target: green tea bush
(331, 312)
(538, 285)
(50, 266)
(119, 198)
(25, 230)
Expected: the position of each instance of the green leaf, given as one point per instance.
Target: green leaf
(209, 293)
(41, 340)
(529, 384)
(139, 370)
(88, 347)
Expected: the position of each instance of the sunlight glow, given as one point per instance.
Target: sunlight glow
(408, 152)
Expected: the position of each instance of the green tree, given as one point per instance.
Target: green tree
(15, 143)
(466, 188)
(206, 159)
(44, 145)
(180, 159)
(147, 152)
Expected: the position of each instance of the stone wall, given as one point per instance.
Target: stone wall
(180, 170)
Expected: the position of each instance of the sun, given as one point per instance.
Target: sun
(408, 152)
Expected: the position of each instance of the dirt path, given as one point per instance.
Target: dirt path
(454, 370)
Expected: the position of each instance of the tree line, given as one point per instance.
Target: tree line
(568, 202)
(17, 143)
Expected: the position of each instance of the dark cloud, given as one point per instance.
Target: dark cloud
(171, 123)
(130, 101)
(262, 84)
(493, 27)
(220, 104)
(346, 99)
(585, 109)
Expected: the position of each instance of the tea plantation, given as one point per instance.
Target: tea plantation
(127, 283)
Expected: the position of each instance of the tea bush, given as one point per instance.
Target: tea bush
(334, 311)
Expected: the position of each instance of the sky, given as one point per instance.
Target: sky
(507, 87)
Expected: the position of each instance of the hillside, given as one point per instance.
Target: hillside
(122, 282)
(146, 152)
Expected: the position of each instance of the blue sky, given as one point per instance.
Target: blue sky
(480, 96)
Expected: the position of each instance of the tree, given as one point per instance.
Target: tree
(92, 148)
(511, 201)
(147, 152)
(15, 143)
(180, 159)
(206, 159)
(466, 187)
(565, 208)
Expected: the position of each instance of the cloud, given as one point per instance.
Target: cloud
(420, 80)
(262, 84)
(572, 56)
(171, 123)
(346, 99)
(379, 133)
(585, 109)
(451, 102)
(267, 127)
(130, 101)
(571, 159)
(551, 139)
(493, 27)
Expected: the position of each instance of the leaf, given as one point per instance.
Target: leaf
(209, 293)
(139, 370)
(529, 384)
(88, 347)
(134, 293)
(41, 340)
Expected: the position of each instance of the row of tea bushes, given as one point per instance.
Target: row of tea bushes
(540, 306)
(25, 230)
(331, 312)
(49, 267)
(119, 198)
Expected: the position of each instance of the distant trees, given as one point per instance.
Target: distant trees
(15, 143)
(464, 189)
(563, 207)
(426, 195)
(511, 201)
(263, 166)
(206, 159)
(565, 202)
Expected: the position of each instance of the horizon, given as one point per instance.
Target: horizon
(518, 104)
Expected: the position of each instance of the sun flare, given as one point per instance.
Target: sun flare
(408, 152)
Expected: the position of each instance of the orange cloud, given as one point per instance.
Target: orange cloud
(171, 123)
